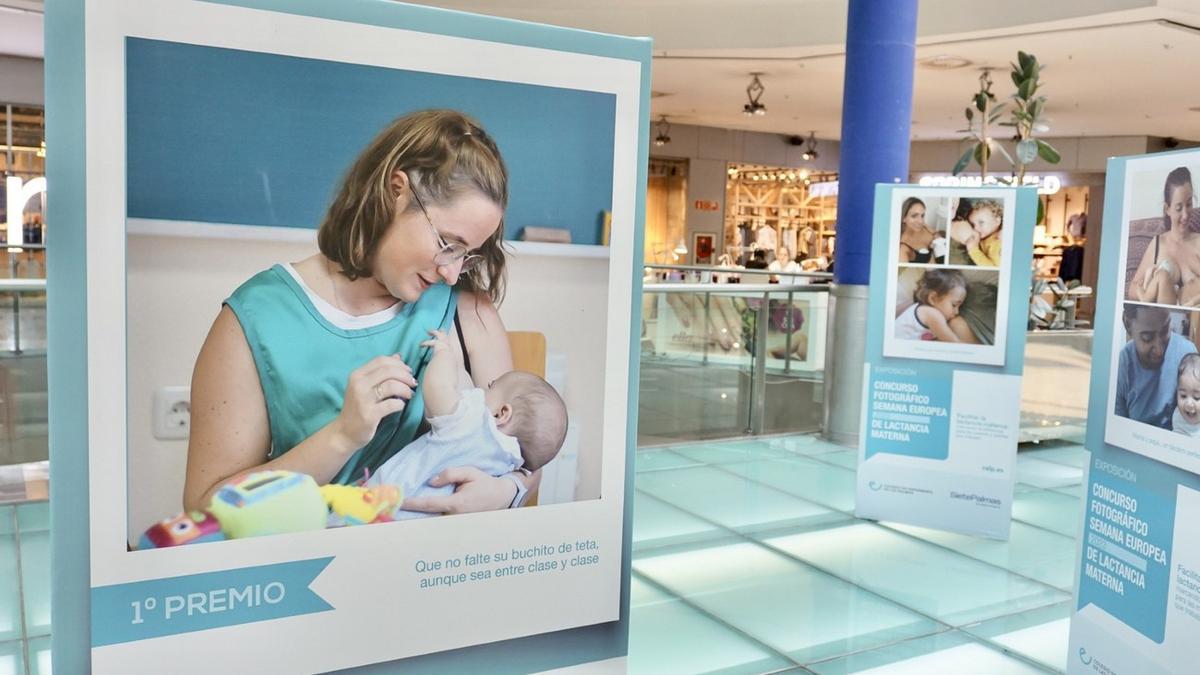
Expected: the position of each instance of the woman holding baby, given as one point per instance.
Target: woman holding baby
(1169, 272)
(314, 366)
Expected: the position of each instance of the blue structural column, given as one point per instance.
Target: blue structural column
(876, 125)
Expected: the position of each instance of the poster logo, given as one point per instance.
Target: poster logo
(875, 485)
(1084, 658)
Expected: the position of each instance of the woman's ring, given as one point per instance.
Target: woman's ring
(378, 396)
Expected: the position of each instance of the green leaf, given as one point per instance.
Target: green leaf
(980, 102)
(963, 161)
(1026, 60)
(1016, 75)
(1027, 151)
(970, 114)
(1041, 216)
(1025, 89)
(1036, 109)
(1047, 152)
(982, 152)
(993, 118)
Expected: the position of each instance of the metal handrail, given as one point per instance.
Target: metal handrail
(734, 288)
(22, 285)
(736, 270)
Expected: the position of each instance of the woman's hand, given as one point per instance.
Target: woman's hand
(474, 491)
(381, 387)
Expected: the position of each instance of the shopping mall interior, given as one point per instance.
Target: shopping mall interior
(747, 554)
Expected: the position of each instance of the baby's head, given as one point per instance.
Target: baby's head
(986, 217)
(944, 290)
(527, 408)
(1187, 397)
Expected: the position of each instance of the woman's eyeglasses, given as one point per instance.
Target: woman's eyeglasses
(450, 252)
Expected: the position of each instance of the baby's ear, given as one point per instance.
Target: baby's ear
(503, 415)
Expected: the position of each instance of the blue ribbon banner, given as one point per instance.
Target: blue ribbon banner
(142, 610)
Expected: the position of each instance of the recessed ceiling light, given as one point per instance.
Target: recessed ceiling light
(944, 62)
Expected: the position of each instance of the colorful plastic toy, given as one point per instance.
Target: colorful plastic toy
(192, 527)
(353, 505)
(269, 502)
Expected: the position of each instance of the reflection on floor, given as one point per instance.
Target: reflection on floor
(25, 589)
(747, 559)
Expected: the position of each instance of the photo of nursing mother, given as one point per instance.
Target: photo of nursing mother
(1163, 254)
(946, 305)
(1149, 374)
(316, 367)
(922, 231)
(975, 232)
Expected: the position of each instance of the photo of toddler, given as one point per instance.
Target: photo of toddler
(937, 298)
(1186, 419)
(982, 241)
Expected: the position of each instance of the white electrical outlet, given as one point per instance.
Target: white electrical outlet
(172, 413)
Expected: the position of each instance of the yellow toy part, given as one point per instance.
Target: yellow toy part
(362, 505)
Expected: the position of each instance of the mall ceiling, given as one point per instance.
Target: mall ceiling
(1112, 67)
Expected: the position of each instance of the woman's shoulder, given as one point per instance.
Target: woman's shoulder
(266, 282)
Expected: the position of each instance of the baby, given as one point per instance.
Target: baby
(1186, 419)
(518, 422)
(936, 300)
(983, 246)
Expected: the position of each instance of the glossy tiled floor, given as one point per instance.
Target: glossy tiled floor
(25, 589)
(747, 559)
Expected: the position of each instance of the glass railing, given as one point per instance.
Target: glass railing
(723, 358)
(23, 398)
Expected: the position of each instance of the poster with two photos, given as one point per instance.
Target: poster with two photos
(1137, 597)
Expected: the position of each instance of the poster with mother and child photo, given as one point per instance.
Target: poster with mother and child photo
(1155, 377)
(332, 404)
(948, 252)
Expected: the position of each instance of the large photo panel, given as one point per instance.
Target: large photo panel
(358, 405)
(1154, 381)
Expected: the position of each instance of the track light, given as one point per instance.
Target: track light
(663, 127)
(810, 152)
(754, 92)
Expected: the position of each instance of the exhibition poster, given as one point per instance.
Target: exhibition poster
(946, 326)
(319, 405)
(1137, 600)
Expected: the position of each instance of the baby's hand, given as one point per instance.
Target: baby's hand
(438, 341)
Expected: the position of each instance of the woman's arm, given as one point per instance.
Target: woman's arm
(937, 324)
(1137, 285)
(486, 338)
(231, 435)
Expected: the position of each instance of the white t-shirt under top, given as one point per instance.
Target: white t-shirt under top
(339, 318)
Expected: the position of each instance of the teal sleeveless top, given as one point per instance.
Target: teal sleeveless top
(304, 362)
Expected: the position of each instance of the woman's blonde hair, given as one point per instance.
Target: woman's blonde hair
(444, 153)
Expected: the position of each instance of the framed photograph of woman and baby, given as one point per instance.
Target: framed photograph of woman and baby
(1155, 377)
(314, 334)
(949, 274)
